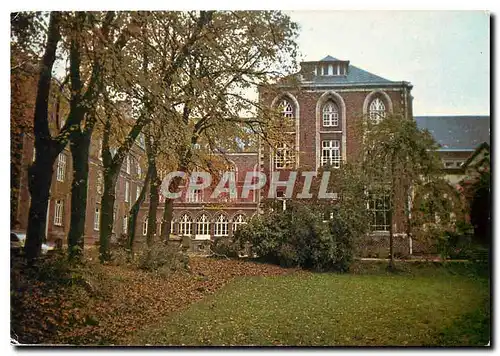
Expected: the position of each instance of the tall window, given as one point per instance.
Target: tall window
(61, 167)
(377, 110)
(330, 153)
(330, 115)
(203, 225)
(284, 157)
(58, 212)
(127, 164)
(195, 196)
(145, 226)
(221, 225)
(125, 223)
(99, 150)
(99, 182)
(127, 191)
(139, 170)
(137, 192)
(286, 109)
(379, 207)
(238, 221)
(185, 225)
(97, 217)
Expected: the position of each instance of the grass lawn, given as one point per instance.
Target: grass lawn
(423, 306)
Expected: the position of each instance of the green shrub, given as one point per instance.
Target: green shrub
(225, 246)
(163, 258)
(300, 237)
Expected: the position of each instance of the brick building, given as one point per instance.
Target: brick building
(324, 106)
(321, 108)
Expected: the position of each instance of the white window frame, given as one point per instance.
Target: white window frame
(195, 196)
(238, 220)
(330, 153)
(377, 110)
(372, 207)
(287, 109)
(137, 192)
(97, 218)
(58, 212)
(99, 182)
(99, 150)
(185, 225)
(127, 191)
(34, 153)
(127, 164)
(139, 170)
(284, 156)
(330, 115)
(125, 224)
(61, 167)
(145, 226)
(202, 227)
(221, 226)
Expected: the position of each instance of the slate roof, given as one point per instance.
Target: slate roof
(354, 75)
(457, 132)
(329, 59)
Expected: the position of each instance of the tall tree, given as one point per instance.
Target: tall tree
(398, 157)
(169, 66)
(47, 148)
(95, 46)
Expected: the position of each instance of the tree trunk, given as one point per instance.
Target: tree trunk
(153, 205)
(168, 211)
(107, 214)
(41, 171)
(39, 185)
(79, 145)
(134, 211)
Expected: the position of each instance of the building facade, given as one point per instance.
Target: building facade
(323, 107)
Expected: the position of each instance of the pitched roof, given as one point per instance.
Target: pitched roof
(329, 58)
(457, 132)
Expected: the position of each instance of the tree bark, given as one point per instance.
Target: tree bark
(41, 171)
(134, 211)
(79, 145)
(153, 205)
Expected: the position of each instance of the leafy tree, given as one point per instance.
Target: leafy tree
(397, 157)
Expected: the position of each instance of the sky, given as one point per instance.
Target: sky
(444, 54)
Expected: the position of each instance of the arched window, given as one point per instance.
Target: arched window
(377, 110)
(286, 109)
(203, 226)
(330, 114)
(221, 224)
(238, 220)
(185, 225)
(145, 226)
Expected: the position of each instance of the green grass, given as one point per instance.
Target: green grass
(424, 306)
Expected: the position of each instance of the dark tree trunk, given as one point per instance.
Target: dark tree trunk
(41, 171)
(79, 145)
(168, 211)
(39, 185)
(153, 205)
(134, 211)
(107, 215)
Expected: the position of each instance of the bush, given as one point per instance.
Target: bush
(225, 246)
(300, 237)
(163, 258)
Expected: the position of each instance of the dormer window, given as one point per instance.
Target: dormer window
(331, 69)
